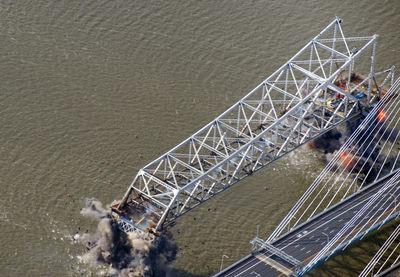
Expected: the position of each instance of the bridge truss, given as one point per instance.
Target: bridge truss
(311, 93)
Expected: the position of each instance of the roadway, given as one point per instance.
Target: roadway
(306, 240)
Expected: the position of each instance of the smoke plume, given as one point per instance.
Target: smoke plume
(129, 255)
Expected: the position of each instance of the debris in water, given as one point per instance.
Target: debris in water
(76, 236)
(130, 255)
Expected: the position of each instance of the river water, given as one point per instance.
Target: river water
(79, 80)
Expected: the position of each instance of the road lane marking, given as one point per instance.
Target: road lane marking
(310, 257)
(341, 238)
(274, 264)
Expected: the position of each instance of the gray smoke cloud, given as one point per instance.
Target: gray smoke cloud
(366, 157)
(129, 255)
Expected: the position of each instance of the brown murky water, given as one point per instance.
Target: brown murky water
(80, 79)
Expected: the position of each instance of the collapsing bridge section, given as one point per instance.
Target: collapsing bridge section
(310, 94)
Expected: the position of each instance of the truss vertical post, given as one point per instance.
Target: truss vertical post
(393, 70)
(128, 192)
(333, 55)
(165, 213)
(371, 72)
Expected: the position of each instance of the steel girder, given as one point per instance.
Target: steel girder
(287, 109)
(259, 244)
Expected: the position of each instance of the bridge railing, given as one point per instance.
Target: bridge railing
(367, 219)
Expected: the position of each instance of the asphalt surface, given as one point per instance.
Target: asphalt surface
(304, 242)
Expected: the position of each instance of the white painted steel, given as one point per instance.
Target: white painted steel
(284, 111)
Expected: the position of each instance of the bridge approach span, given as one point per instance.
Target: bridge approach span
(327, 233)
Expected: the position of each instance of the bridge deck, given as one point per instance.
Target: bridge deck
(307, 240)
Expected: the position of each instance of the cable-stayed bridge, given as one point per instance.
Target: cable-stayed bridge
(310, 94)
(303, 248)
(339, 207)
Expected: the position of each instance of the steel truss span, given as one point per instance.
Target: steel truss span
(311, 93)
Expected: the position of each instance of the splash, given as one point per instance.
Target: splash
(128, 255)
